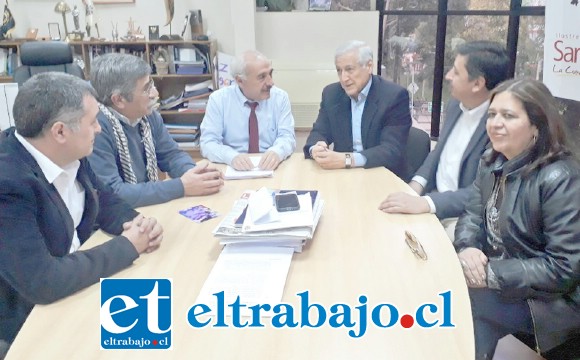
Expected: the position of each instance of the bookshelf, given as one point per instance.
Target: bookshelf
(9, 59)
(170, 83)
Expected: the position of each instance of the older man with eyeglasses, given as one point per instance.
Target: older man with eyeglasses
(134, 142)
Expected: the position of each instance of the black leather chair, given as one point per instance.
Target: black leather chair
(43, 56)
(418, 147)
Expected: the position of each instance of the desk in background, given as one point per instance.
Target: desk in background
(357, 250)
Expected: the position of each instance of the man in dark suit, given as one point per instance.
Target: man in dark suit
(449, 170)
(366, 117)
(51, 202)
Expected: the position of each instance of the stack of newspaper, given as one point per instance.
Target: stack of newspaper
(255, 220)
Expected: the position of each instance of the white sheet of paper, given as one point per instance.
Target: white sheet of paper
(287, 219)
(233, 174)
(257, 274)
(261, 207)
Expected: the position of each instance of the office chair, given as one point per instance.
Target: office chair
(418, 147)
(43, 56)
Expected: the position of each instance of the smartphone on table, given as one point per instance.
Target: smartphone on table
(287, 202)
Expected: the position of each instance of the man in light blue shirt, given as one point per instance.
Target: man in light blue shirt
(225, 130)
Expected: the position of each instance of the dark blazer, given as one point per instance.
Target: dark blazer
(452, 203)
(384, 127)
(36, 233)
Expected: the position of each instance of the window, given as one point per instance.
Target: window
(410, 5)
(479, 5)
(418, 38)
(529, 61)
(408, 59)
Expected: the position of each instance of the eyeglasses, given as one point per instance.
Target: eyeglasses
(149, 88)
(415, 246)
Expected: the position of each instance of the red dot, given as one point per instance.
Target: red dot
(407, 321)
(154, 342)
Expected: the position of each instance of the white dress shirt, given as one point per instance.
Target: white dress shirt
(64, 180)
(447, 175)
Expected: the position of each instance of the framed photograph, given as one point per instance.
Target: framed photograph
(153, 32)
(54, 31)
(114, 1)
(32, 33)
(319, 5)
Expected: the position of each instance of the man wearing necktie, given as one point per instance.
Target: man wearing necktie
(251, 116)
(134, 141)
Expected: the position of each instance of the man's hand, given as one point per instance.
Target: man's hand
(242, 162)
(269, 161)
(330, 159)
(319, 147)
(155, 231)
(202, 180)
(403, 203)
(473, 262)
(145, 234)
(418, 188)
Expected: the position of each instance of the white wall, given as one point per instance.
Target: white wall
(302, 45)
(8, 93)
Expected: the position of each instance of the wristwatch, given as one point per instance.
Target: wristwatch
(347, 160)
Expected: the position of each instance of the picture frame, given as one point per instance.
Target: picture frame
(153, 32)
(31, 33)
(54, 31)
(113, 1)
(319, 5)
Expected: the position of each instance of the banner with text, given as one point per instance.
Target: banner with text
(223, 68)
(562, 48)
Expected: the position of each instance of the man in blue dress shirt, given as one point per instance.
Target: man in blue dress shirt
(225, 130)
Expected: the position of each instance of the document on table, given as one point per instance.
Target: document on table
(257, 274)
(233, 174)
(263, 216)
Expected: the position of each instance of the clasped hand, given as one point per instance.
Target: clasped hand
(144, 233)
(326, 158)
(269, 161)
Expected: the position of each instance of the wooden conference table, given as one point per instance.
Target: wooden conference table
(357, 250)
